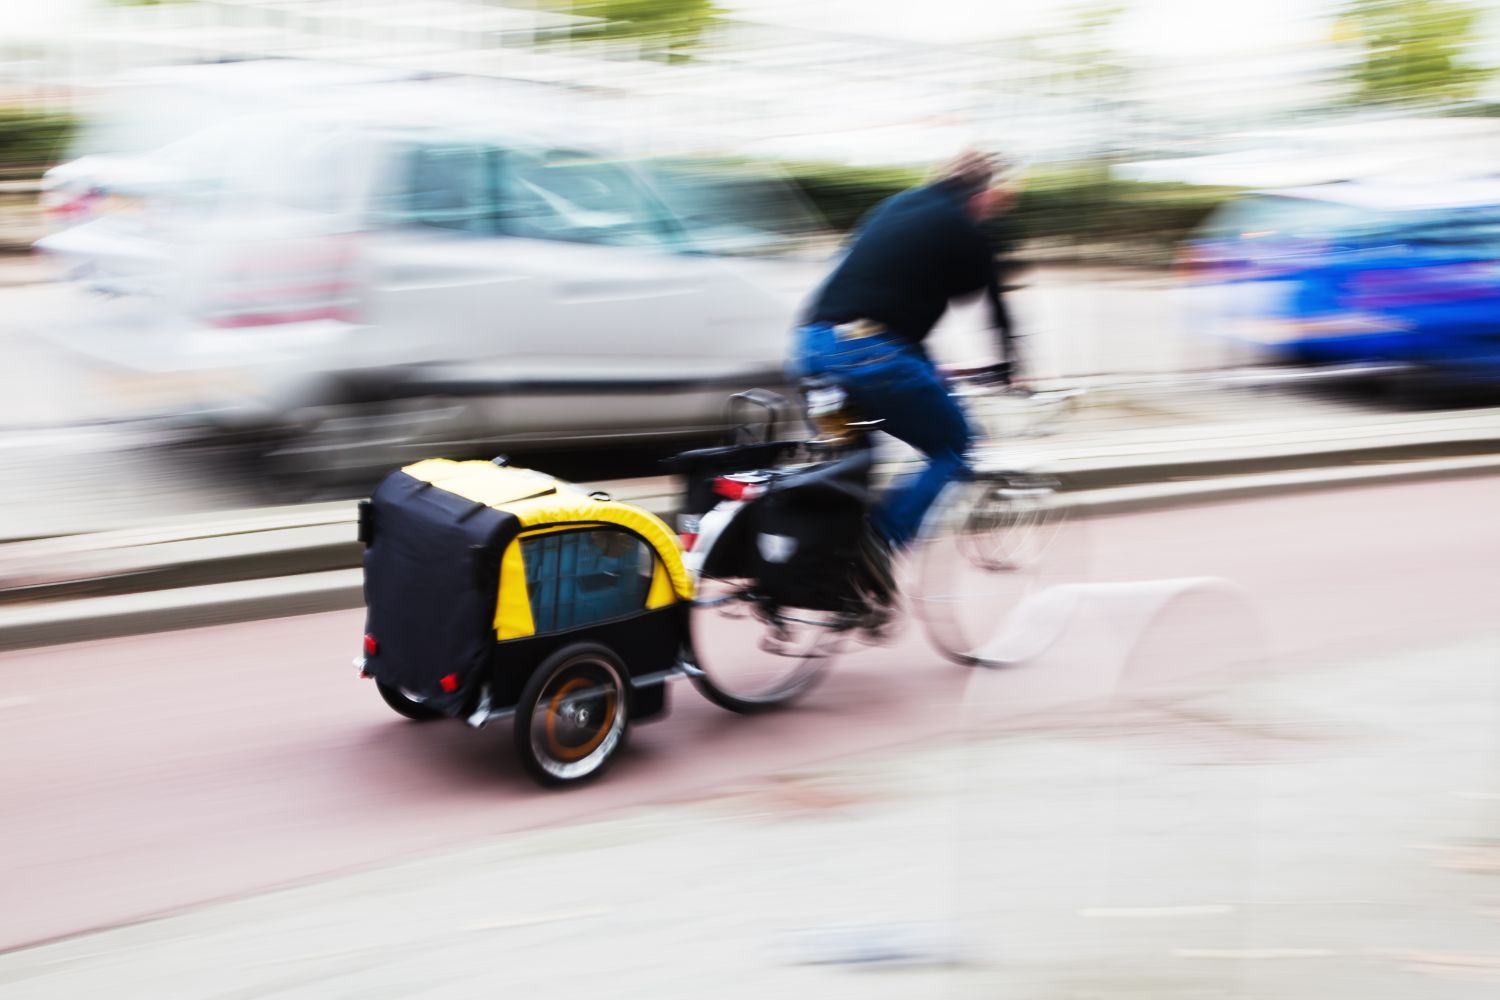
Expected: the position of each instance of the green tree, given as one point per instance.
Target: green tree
(668, 29)
(1412, 51)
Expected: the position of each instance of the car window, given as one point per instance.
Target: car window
(577, 578)
(443, 187)
(1474, 229)
(576, 198)
(1278, 219)
(730, 208)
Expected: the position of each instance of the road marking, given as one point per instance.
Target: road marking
(72, 440)
(1253, 953)
(1204, 910)
(537, 919)
(17, 701)
(1470, 967)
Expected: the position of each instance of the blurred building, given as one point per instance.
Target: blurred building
(762, 88)
(788, 92)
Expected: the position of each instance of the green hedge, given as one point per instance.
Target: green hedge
(1084, 204)
(843, 194)
(1071, 204)
(33, 139)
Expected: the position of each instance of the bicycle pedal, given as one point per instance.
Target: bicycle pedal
(879, 628)
(778, 642)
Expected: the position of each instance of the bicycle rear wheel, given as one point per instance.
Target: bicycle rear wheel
(751, 656)
(992, 541)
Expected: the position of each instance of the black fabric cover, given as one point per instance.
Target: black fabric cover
(806, 531)
(648, 642)
(432, 574)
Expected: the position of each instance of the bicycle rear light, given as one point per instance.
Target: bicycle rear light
(740, 486)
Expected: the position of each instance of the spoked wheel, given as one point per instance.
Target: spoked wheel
(993, 541)
(406, 705)
(1009, 525)
(752, 657)
(573, 714)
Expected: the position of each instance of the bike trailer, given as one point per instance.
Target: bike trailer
(495, 591)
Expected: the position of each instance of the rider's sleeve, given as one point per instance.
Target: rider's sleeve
(985, 274)
(1005, 342)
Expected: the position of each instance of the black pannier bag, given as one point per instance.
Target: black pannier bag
(698, 471)
(806, 532)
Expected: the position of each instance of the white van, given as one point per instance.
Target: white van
(411, 269)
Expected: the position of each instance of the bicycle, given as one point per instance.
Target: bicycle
(980, 547)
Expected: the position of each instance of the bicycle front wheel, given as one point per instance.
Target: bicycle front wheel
(751, 656)
(990, 543)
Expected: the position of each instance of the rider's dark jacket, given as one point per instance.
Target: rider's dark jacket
(910, 255)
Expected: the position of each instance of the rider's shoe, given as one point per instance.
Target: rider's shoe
(878, 620)
(878, 575)
(777, 639)
(778, 642)
(878, 627)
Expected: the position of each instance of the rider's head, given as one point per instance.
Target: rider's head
(983, 179)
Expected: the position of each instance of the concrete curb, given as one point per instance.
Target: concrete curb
(118, 615)
(183, 607)
(1162, 496)
(255, 544)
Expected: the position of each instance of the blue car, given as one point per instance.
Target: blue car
(1358, 274)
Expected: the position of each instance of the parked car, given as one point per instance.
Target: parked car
(403, 270)
(1390, 275)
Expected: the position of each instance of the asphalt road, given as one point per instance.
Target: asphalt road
(87, 446)
(148, 774)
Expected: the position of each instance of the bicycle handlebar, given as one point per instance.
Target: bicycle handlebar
(998, 374)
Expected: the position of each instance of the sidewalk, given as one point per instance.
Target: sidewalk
(1132, 445)
(1325, 831)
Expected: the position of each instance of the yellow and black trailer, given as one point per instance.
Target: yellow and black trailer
(494, 591)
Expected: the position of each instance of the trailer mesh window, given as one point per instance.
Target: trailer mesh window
(577, 578)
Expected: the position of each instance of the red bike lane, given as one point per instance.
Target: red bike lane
(152, 773)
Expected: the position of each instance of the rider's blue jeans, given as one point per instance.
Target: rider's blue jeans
(892, 379)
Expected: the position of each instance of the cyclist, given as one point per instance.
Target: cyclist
(864, 328)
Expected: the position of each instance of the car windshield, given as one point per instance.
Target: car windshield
(1475, 229)
(731, 208)
(1276, 218)
(574, 197)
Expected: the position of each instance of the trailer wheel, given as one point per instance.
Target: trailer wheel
(409, 707)
(573, 714)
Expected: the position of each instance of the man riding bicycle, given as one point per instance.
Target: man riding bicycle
(864, 328)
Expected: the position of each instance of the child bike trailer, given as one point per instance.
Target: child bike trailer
(493, 591)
